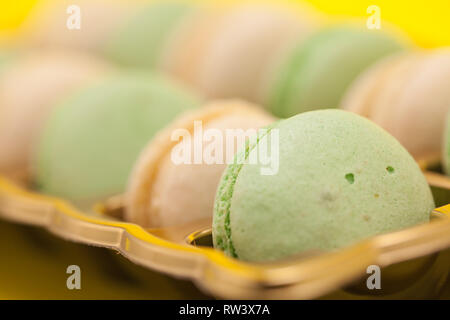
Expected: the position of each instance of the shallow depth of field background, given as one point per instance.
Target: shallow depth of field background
(427, 22)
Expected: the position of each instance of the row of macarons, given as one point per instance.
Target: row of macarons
(97, 132)
(75, 126)
(248, 51)
(280, 57)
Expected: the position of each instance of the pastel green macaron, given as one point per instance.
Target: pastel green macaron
(5, 58)
(319, 70)
(141, 40)
(446, 146)
(91, 140)
(340, 179)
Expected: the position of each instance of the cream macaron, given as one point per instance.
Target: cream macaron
(82, 25)
(30, 86)
(185, 48)
(229, 53)
(408, 96)
(163, 192)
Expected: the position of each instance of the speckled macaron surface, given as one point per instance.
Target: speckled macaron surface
(92, 139)
(341, 179)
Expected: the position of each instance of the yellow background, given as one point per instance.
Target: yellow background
(427, 22)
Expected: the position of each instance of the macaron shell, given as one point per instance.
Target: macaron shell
(249, 38)
(445, 156)
(341, 179)
(29, 90)
(5, 58)
(162, 193)
(92, 139)
(141, 40)
(361, 94)
(185, 51)
(321, 69)
(47, 23)
(411, 101)
(384, 104)
(183, 194)
(423, 104)
(144, 171)
(270, 79)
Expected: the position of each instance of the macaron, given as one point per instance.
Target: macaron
(341, 179)
(53, 23)
(91, 140)
(140, 41)
(185, 48)
(408, 96)
(316, 74)
(445, 155)
(235, 49)
(6, 59)
(30, 87)
(163, 191)
(360, 96)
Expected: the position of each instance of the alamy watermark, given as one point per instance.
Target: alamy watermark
(74, 20)
(214, 146)
(374, 20)
(73, 282)
(374, 280)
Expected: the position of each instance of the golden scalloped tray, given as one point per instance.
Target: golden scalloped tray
(438, 181)
(415, 262)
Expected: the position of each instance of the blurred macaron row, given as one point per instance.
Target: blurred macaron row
(406, 94)
(31, 84)
(88, 113)
(286, 59)
(251, 51)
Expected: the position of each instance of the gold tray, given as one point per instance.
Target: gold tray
(415, 261)
(439, 182)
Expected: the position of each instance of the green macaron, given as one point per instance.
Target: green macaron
(341, 179)
(91, 140)
(316, 74)
(4, 56)
(5, 59)
(446, 146)
(141, 40)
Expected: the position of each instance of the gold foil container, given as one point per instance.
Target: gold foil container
(438, 181)
(415, 262)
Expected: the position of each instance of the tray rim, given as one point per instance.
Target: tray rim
(212, 270)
